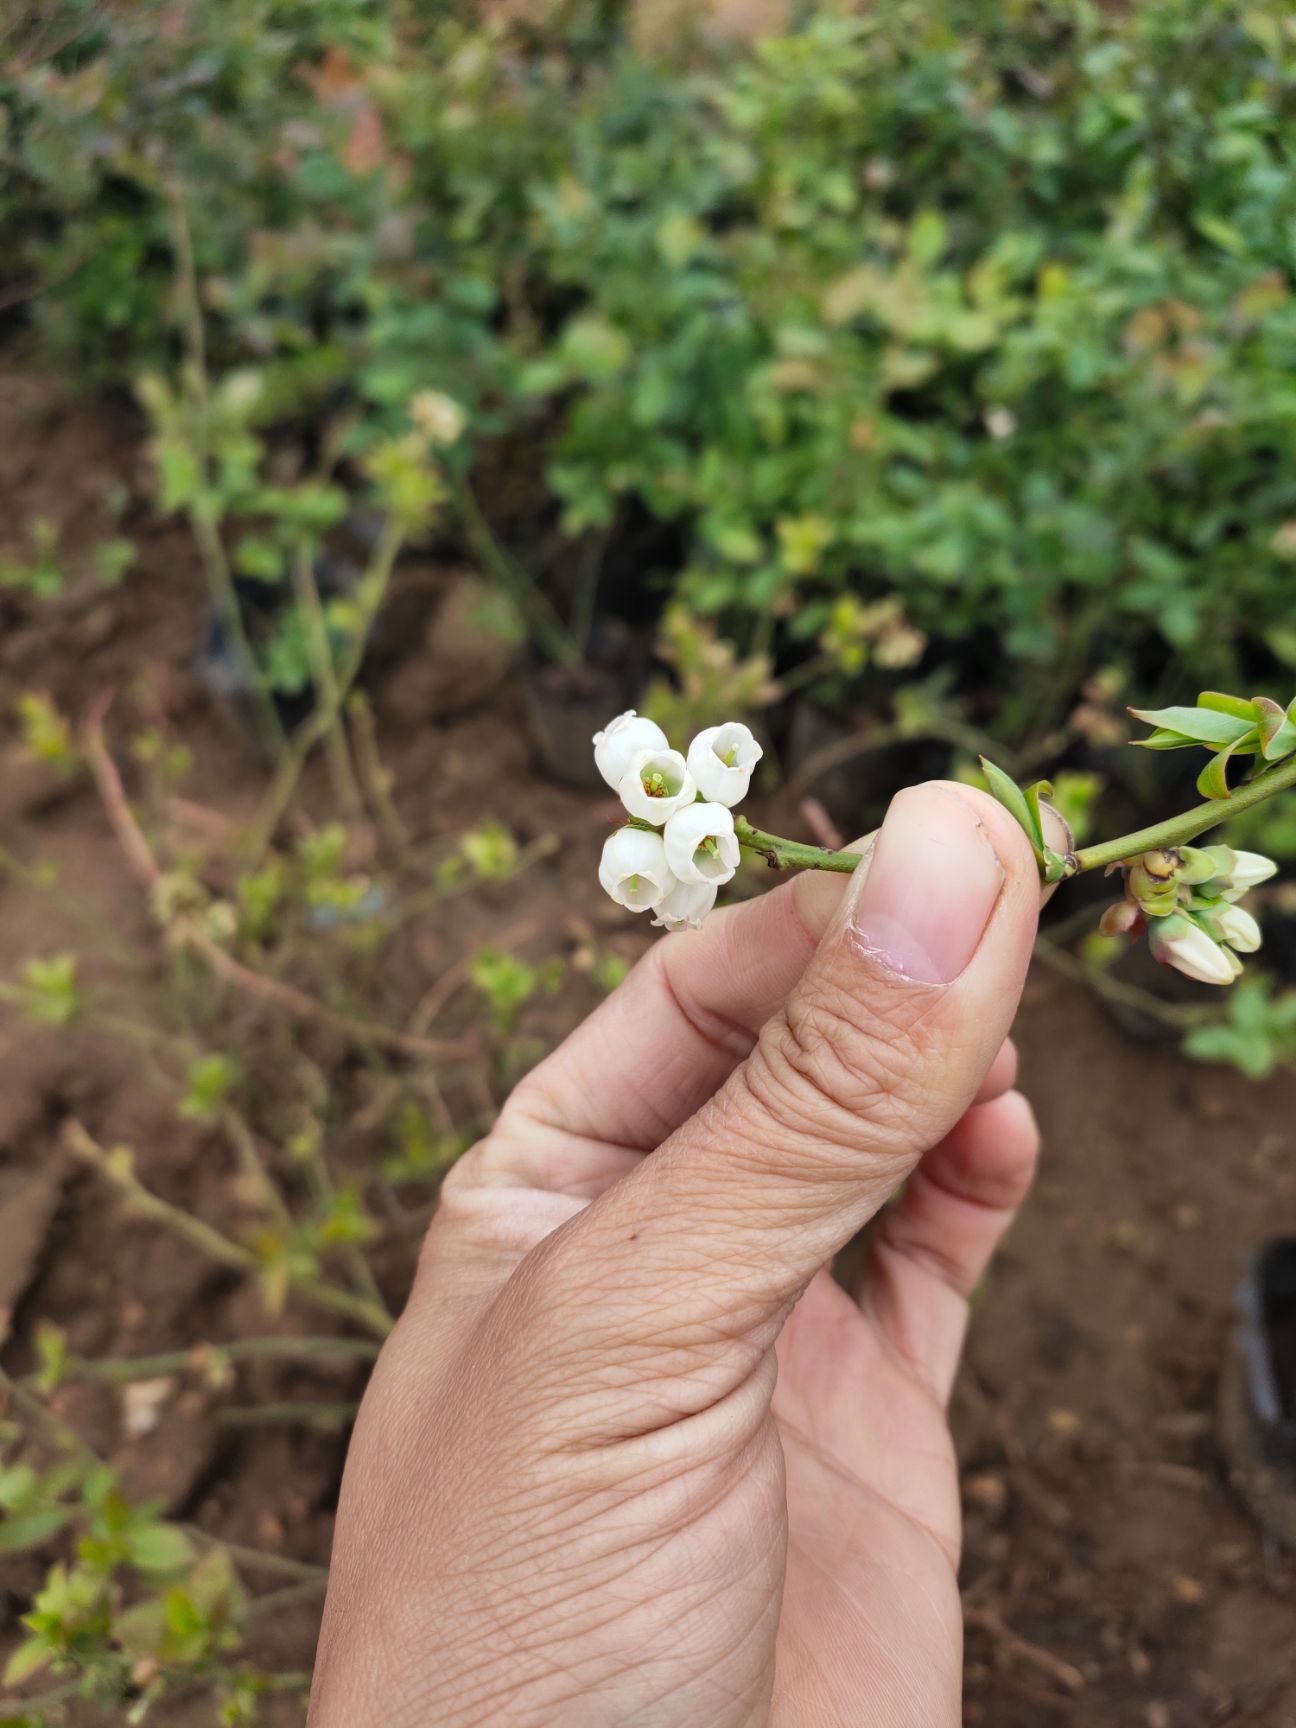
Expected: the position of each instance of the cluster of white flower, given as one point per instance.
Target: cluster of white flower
(676, 866)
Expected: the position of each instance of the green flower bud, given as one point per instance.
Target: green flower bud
(1198, 865)
(1156, 894)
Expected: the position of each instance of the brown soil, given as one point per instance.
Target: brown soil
(1114, 1575)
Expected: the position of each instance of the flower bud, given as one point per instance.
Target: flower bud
(1122, 918)
(633, 869)
(1155, 891)
(685, 906)
(701, 845)
(1162, 865)
(621, 740)
(1238, 928)
(721, 761)
(438, 416)
(656, 785)
(1197, 865)
(1179, 942)
(1249, 869)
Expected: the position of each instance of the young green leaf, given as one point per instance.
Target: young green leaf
(1237, 706)
(160, 1548)
(1016, 803)
(1178, 728)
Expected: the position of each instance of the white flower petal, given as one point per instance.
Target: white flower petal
(1239, 929)
(633, 869)
(685, 906)
(621, 740)
(656, 785)
(1249, 869)
(1176, 941)
(701, 845)
(721, 760)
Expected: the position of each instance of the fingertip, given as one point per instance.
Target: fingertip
(1005, 833)
(990, 1157)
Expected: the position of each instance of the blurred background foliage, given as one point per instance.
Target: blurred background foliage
(975, 313)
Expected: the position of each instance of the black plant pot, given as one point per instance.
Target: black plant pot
(1267, 1300)
(1257, 1393)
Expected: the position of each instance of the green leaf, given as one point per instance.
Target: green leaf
(1221, 703)
(1040, 789)
(29, 1658)
(1254, 1057)
(1220, 233)
(259, 557)
(1015, 802)
(1193, 726)
(160, 1548)
(1277, 731)
(141, 1630)
(30, 1529)
(17, 1485)
(1212, 782)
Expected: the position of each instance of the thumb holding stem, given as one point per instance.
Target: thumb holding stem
(872, 1060)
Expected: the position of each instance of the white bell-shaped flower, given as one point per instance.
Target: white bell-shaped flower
(1239, 929)
(701, 845)
(685, 906)
(621, 740)
(1179, 942)
(656, 785)
(633, 869)
(721, 760)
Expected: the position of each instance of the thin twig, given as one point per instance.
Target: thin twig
(32, 1708)
(839, 753)
(201, 1359)
(362, 1273)
(208, 1241)
(359, 1033)
(260, 1559)
(1034, 1655)
(329, 1417)
(142, 1201)
(374, 777)
(40, 1413)
(220, 578)
(821, 824)
(185, 934)
(453, 979)
(255, 1168)
(1180, 1016)
(306, 593)
(373, 589)
(546, 627)
(309, 1590)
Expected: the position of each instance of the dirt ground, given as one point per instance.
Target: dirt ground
(1115, 1574)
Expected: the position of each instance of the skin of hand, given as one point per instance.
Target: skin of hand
(631, 1456)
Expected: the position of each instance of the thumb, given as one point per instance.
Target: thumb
(875, 1056)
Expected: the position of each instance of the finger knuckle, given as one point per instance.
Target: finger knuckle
(820, 1070)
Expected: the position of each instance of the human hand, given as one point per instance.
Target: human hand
(631, 1456)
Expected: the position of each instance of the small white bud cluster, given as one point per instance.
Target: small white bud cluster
(675, 867)
(1187, 900)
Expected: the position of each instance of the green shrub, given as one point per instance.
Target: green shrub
(986, 308)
